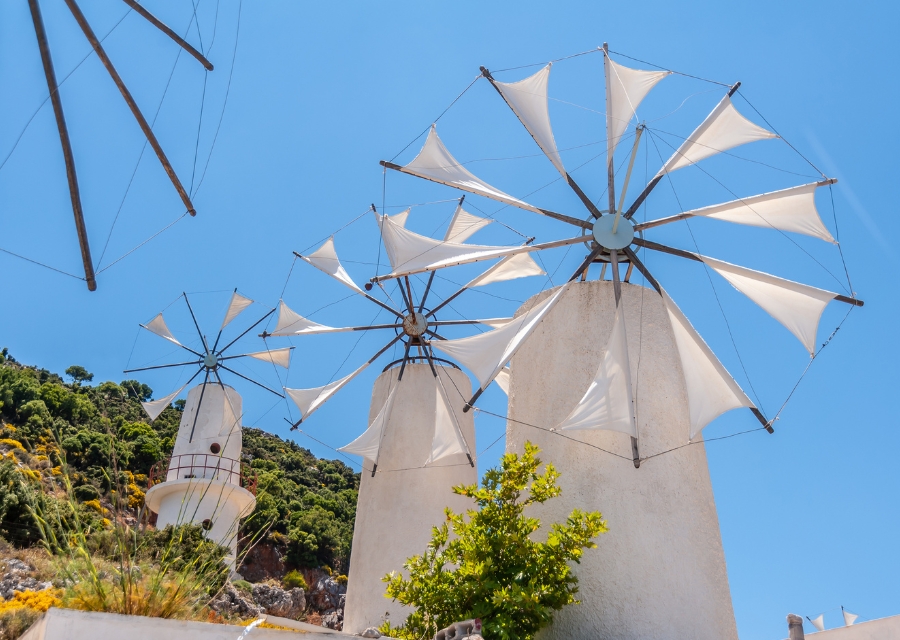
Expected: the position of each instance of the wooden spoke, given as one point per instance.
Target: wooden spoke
(138, 7)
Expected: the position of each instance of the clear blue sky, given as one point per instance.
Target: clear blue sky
(321, 92)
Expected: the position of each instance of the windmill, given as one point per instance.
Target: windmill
(204, 480)
(575, 379)
(56, 101)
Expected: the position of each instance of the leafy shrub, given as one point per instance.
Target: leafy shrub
(493, 567)
(242, 585)
(294, 580)
(341, 579)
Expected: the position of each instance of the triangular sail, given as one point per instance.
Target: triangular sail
(410, 252)
(625, 89)
(797, 306)
(435, 163)
(819, 622)
(791, 209)
(158, 326)
(325, 259)
(464, 224)
(711, 391)
(368, 444)
(291, 323)
(448, 439)
(238, 303)
(309, 400)
(724, 128)
(849, 618)
(399, 218)
(281, 357)
(608, 403)
(528, 100)
(502, 380)
(521, 265)
(487, 353)
(155, 407)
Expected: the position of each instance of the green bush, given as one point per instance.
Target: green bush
(294, 580)
(242, 585)
(493, 567)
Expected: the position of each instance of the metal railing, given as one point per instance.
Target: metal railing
(204, 466)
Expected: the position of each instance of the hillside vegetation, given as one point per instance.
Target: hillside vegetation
(99, 437)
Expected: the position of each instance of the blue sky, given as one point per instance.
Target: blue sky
(320, 92)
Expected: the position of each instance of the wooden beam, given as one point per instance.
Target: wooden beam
(632, 257)
(68, 156)
(135, 110)
(166, 30)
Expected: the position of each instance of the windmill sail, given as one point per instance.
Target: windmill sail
(309, 400)
(625, 89)
(159, 327)
(502, 380)
(464, 224)
(487, 353)
(512, 267)
(238, 303)
(448, 439)
(291, 323)
(155, 407)
(435, 163)
(325, 259)
(711, 391)
(608, 403)
(849, 618)
(368, 444)
(528, 100)
(724, 128)
(818, 622)
(281, 357)
(791, 210)
(400, 218)
(797, 306)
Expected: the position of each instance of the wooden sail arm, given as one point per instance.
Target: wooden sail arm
(156, 22)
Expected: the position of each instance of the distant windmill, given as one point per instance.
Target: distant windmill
(55, 99)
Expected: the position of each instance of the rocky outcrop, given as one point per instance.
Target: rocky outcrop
(231, 602)
(264, 561)
(17, 578)
(279, 602)
(327, 593)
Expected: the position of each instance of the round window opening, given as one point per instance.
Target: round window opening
(215, 448)
(206, 524)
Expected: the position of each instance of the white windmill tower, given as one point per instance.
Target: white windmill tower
(204, 481)
(419, 442)
(574, 386)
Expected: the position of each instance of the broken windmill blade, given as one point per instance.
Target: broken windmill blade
(613, 237)
(62, 127)
(211, 360)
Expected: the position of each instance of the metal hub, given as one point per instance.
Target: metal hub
(603, 232)
(210, 360)
(414, 324)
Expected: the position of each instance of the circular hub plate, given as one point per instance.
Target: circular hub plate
(210, 361)
(603, 232)
(414, 324)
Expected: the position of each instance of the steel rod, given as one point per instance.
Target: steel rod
(164, 366)
(445, 302)
(643, 196)
(614, 265)
(587, 262)
(427, 289)
(135, 110)
(471, 403)
(409, 299)
(246, 331)
(610, 165)
(196, 324)
(199, 404)
(250, 380)
(438, 323)
(156, 22)
(435, 334)
(634, 150)
(633, 259)
(65, 142)
(403, 362)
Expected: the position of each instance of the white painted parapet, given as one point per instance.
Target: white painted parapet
(402, 502)
(659, 573)
(204, 483)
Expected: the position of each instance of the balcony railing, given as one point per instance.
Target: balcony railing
(204, 466)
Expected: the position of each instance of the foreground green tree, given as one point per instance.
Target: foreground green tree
(492, 566)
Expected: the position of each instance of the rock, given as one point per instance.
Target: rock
(263, 561)
(327, 594)
(233, 602)
(16, 579)
(278, 602)
(371, 632)
(17, 566)
(333, 619)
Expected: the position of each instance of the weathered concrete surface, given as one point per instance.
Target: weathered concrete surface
(399, 505)
(660, 571)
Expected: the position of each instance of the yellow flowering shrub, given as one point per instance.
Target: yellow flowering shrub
(9, 442)
(36, 600)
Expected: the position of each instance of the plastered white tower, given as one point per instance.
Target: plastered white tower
(203, 483)
(659, 573)
(397, 509)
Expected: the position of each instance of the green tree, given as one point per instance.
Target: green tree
(79, 374)
(493, 567)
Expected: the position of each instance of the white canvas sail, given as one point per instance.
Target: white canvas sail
(791, 210)
(528, 100)
(818, 622)
(849, 618)
(464, 224)
(368, 444)
(155, 407)
(797, 306)
(309, 400)
(608, 403)
(502, 380)
(722, 129)
(281, 357)
(487, 353)
(238, 303)
(435, 163)
(711, 391)
(448, 439)
(291, 323)
(400, 218)
(625, 89)
(325, 259)
(158, 326)
(521, 265)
